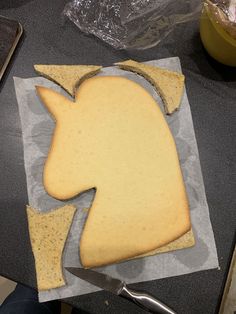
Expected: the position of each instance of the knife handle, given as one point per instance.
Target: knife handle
(146, 301)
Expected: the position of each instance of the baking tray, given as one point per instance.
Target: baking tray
(8, 41)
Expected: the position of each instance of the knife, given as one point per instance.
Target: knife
(118, 287)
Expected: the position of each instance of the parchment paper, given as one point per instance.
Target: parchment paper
(37, 128)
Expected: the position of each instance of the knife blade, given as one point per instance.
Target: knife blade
(118, 287)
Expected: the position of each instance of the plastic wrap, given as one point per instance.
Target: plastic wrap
(131, 24)
(224, 13)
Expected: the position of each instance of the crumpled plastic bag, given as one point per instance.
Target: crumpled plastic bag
(131, 24)
(224, 13)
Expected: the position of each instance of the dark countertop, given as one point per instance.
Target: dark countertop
(211, 90)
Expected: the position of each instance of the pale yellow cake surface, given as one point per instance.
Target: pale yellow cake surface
(169, 84)
(114, 137)
(48, 232)
(67, 76)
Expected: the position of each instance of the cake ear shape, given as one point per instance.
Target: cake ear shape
(57, 104)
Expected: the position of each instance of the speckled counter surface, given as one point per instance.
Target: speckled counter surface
(211, 91)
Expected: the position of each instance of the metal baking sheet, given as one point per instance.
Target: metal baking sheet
(10, 33)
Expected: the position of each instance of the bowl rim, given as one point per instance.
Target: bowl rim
(220, 29)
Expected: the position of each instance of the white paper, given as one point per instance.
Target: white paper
(37, 127)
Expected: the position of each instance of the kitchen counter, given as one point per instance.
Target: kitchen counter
(211, 88)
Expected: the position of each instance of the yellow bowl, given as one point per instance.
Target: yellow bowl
(218, 43)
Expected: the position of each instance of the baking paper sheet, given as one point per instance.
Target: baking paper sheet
(37, 128)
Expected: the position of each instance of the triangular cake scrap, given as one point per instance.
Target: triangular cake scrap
(48, 232)
(185, 241)
(67, 76)
(169, 84)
